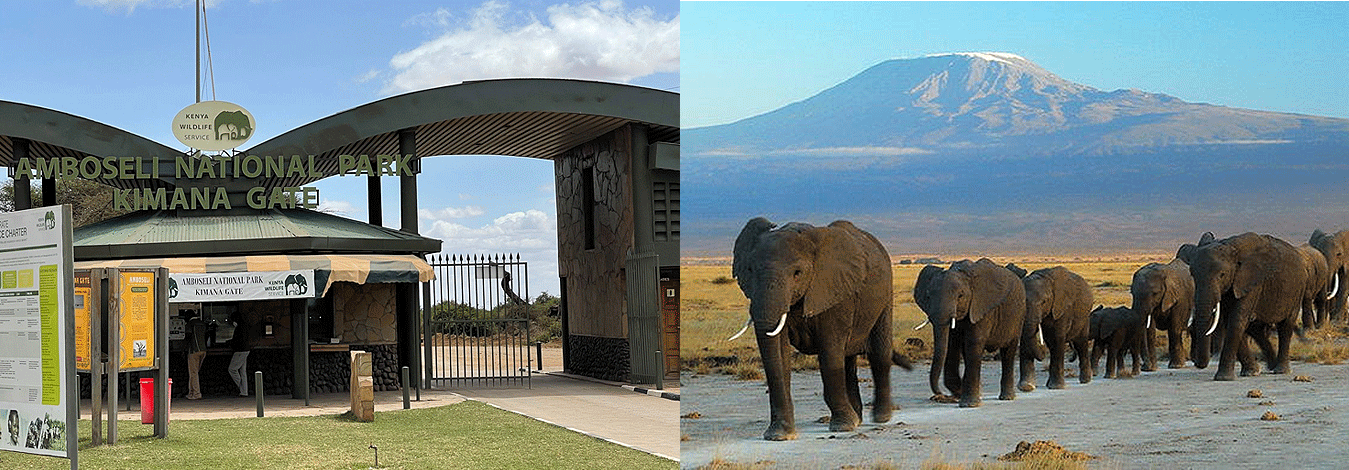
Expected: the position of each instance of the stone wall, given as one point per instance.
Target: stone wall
(602, 358)
(365, 313)
(596, 286)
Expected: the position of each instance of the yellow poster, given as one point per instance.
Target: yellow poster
(82, 358)
(137, 320)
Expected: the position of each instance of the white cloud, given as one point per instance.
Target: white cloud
(597, 40)
(531, 230)
(851, 152)
(450, 213)
(466, 197)
(337, 207)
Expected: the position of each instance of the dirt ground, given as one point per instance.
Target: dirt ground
(1170, 419)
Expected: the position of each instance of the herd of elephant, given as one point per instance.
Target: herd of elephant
(827, 291)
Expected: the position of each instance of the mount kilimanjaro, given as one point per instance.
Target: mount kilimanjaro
(988, 152)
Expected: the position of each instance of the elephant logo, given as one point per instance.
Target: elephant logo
(173, 288)
(232, 125)
(296, 284)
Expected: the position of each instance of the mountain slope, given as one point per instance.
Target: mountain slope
(987, 151)
(996, 100)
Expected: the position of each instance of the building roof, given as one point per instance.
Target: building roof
(535, 118)
(290, 231)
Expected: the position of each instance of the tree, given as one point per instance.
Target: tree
(90, 201)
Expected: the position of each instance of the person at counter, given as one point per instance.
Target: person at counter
(196, 352)
(241, 343)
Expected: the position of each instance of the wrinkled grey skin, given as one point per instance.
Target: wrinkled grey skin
(1314, 301)
(1115, 331)
(1258, 281)
(833, 285)
(1058, 302)
(988, 303)
(1165, 294)
(1335, 249)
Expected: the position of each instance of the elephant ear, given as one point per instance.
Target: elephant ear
(1206, 238)
(1254, 263)
(1062, 302)
(840, 268)
(922, 289)
(744, 249)
(990, 289)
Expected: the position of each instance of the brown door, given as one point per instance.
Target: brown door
(669, 308)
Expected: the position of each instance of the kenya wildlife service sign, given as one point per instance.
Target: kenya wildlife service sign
(213, 125)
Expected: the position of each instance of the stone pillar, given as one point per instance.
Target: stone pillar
(23, 189)
(362, 387)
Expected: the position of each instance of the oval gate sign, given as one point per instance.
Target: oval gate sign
(213, 125)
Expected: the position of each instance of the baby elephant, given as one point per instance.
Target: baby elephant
(1115, 331)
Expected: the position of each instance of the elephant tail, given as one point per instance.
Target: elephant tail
(900, 360)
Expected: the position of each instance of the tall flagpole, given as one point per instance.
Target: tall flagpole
(198, 51)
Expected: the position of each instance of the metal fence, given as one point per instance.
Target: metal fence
(477, 328)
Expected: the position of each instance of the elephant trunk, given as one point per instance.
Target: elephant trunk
(768, 310)
(941, 333)
(1032, 342)
(778, 376)
(1207, 314)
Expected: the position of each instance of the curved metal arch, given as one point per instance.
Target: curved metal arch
(54, 134)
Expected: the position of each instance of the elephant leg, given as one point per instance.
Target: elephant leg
(1136, 348)
(971, 386)
(1084, 365)
(1150, 348)
(1176, 346)
(854, 393)
(1056, 351)
(782, 417)
(1027, 382)
(836, 394)
(951, 376)
(1260, 333)
(1280, 363)
(1007, 389)
(882, 405)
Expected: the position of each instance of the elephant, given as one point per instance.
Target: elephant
(1244, 284)
(1115, 331)
(978, 306)
(235, 119)
(1058, 301)
(1335, 248)
(1187, 251)
(1164, 295)
(827, 291)
(1314, 298)
(296, 284)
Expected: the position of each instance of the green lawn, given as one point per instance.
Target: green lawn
(463, 435)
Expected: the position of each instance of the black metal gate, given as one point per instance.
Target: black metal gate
(477, 328)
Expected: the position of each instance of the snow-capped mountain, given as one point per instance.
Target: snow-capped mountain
(991, 100)
(968, 151)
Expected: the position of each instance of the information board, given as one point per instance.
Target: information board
(137, 318)
(82, 305)
(37, 350)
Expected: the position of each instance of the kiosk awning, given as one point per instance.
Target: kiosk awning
(360, 269)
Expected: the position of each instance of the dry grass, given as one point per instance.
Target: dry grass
(713, 308)
(1329, 345)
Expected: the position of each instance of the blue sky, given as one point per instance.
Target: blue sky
(130, 64)
(744, 59)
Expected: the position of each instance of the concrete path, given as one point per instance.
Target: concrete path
(599, 409)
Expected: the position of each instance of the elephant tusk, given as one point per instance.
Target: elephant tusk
(953, 323)
(1039, 336)
(920, 325)
(1217, 313)
(1149, 324)
(742, 331)
(781, 323)
(1336, 282)
(1190, 322)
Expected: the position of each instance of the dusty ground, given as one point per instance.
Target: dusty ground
(1170, 419)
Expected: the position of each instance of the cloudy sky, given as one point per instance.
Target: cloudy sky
(130, 64)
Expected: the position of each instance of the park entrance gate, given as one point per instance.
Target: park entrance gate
(477, 325)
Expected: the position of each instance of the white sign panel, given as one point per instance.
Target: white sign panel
(213, 125)
(37, 346)
(223, 287)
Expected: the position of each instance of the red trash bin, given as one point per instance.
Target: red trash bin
(148, 400)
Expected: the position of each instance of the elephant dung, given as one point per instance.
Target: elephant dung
(944, 398)
(1269, 416)
(1044, 449)
(693, 415)
(1256, 393)
(1302, 378)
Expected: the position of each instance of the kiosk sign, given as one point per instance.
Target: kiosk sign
(213, 125)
